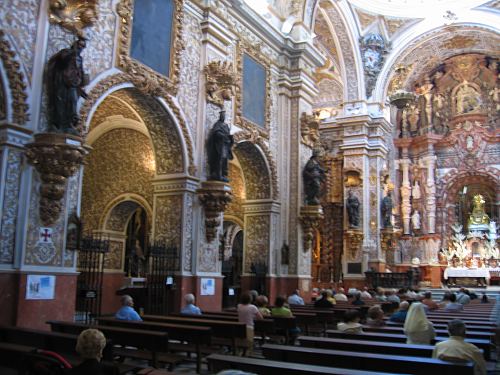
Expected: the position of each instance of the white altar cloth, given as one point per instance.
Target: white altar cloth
(466, 272)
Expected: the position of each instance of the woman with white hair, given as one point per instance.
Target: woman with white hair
(90, 345)
(418, 329)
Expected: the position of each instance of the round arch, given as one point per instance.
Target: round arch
(118, 212)
(147, 106)
(423, 47)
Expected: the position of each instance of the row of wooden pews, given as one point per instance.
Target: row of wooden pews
(378, 350)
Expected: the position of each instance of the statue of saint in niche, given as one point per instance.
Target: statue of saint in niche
(219, 149)
(387, 210)
(66, 80)
(415, 220)
(353, 210)
(313, 175)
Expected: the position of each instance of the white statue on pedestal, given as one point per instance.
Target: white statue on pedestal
(415, 220)
(415, 191)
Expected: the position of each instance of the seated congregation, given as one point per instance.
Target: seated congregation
(391, 332)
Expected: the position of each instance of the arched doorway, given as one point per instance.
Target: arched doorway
(134, 139)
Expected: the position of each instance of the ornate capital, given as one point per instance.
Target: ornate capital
(220, 82)
(73, 15)
(214, 196)
(310, 218)
(309, 129)
(56, 157)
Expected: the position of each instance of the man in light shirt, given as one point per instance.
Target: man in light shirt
(295, 298)
(456, 349)
(127, 311)
(340, 296)
(190, 308)
(365, 294)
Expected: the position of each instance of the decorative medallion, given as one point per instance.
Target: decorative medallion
(220, 82)
(73, 15)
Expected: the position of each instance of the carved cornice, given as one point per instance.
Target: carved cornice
(16, 80)
(220, 82)
(121, 78)
(254, 52)
(142, 76)
(73, 15)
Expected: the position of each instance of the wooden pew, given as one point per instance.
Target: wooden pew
(439, 332)
(218, 362)
(388, 337)
(233, 331)
(197, 336)
(485, 328)
(365, 361)
(153, 342)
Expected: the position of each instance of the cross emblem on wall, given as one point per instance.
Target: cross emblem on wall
(45, 235)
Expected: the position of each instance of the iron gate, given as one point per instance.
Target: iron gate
(91, 254)
(163, 261)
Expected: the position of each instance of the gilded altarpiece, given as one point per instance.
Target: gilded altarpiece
(447, 135)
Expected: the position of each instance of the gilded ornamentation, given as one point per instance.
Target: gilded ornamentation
(215, 197)
(235, 208)
(257, 240)
(220, 81)
(255, 52)
(388, 239)
(55, 160)
(353, 239)
(401, 72)
(16, 81)
(122, 156)
(310, 218)
(149, 111)
(168, 228)
(255, 170)
(309, 130)
(73, 15)
(144, 78)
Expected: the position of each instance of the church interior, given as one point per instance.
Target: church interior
(156, 149)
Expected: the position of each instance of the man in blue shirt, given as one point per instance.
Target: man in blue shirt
(295, 299)
(400, 315)
(190, 308)
(127, 311)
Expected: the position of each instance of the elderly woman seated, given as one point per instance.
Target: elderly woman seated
(90, 345)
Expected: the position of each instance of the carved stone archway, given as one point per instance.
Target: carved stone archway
(145, 98)
(16, 85)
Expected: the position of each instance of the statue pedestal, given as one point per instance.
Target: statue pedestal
(56, 157)
(388, 240)
(353, 240)
(310, 217)
(214, 196)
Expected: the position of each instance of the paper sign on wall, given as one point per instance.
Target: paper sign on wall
(40, 287)
(207, 287)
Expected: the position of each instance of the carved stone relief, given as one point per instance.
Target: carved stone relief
(190, 71)
(187, 252)
(168, 210)
(15, 19)
(235, 208)
(10, 206)
(17, 85)
(257, 181)
(257, 240)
